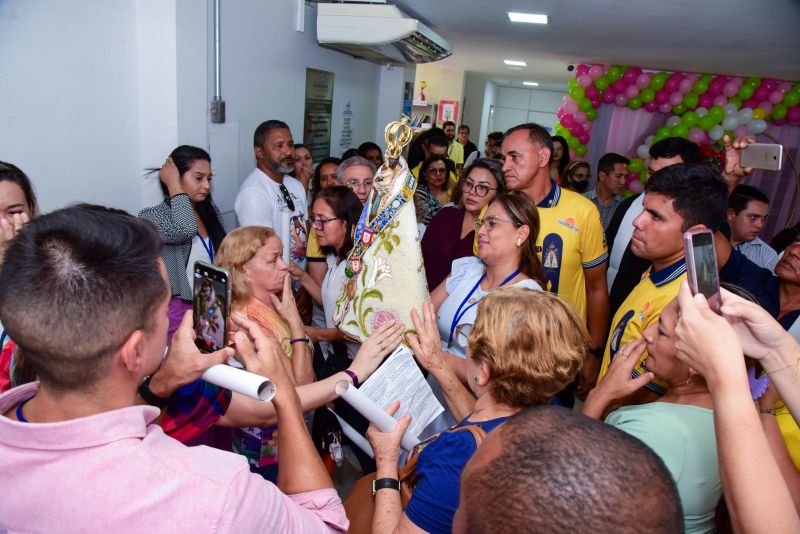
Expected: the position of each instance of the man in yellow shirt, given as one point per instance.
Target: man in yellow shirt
(455, 150)
(678, 198)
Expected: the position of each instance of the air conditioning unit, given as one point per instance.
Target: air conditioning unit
(379, 33)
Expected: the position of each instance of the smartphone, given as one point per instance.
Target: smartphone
(701, 266)
(762, 156)
(211, 298)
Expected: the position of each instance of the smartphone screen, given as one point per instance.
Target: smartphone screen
(701, 266)
(211, 301)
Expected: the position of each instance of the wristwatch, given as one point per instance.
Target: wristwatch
(385, 483)
(151, 398)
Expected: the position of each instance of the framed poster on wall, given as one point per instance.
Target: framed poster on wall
(319, 107)
(448, 111)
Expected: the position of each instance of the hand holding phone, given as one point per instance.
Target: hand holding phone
(701, 266)
(211, 306)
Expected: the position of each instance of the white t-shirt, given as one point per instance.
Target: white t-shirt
(332, 285)
(261, 203)
(198, 253)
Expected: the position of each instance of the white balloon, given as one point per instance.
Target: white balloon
(701, 112)
(649, 140)
(673, 121)
(729, 123)
(716, 132)
(756, 126)
(730, 110)
(745, 115)
(642, 151)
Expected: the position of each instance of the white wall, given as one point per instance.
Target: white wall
(474, 90)
(94, 92)
(515, 105)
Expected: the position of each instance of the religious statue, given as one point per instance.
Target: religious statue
(385, 272)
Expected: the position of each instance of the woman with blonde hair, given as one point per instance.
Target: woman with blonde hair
(524, 347)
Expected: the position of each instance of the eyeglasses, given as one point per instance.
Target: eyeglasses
(319, 223)
(286, 197)
(352, 184)
(436, 171)
(480, 189)
(490, 222)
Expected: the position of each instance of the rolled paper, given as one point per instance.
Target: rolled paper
(286, 216)
(354, 436)
(366, 407)
(240, 381)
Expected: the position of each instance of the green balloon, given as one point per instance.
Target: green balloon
(700, 86)
(647, 95)
(745, 91)
(689, 118)
(572, 84)
(615, 73)
(580, 150)
(706, 123)
(657, 81)
(658, 138)
(690, 100)
(752, 82)
(635, 103)
(572, 141)
(602, 83)
(643, 176)
(680, 131)
(707, 78)
(636, 165)
(663, 132)
(680, 109)
(791, 98)
(736, 101)
(717, 113)
(591, 114)
(576, 93)
(779, 111)
(584, 104)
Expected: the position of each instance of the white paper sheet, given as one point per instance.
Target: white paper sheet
(241, 381)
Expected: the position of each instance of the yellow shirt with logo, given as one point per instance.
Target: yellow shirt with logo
(641, 309)
(570, 240)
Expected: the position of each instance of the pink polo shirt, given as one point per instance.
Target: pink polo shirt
(115, 472)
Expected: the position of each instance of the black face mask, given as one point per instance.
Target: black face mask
(580, 186)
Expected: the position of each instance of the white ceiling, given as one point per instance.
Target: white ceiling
(743, 37)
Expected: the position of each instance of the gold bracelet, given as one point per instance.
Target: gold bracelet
(796, 365)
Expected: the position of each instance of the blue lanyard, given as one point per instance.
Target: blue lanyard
(20, 417)
(460, 313)
(209, 247)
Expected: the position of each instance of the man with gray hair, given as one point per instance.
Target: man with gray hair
(357, 174)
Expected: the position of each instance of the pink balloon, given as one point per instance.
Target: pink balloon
(584, 80)
(582, 69)
(686, 85)
(636, 186)
(571, 106)
(592, 92)
(665, 108)
(750, 103)
(662, 96)
(672, 83)
(793, 115)
(580, 117)
(730, 89)
(766, 106)
(619, 86)
(696, 135)
(762, 93)
(567, 121)
(784, 87)
(596, 103)
(560, 113)
(780, 122)
(693, 77)
(565, 99)
(631, 177)
(705, 101)
(576, 130)
(720, 100)
(587, 126)
(608, 97)
(651, 107)
(595, 71)
(776, 96)
(740, 131)
(769, 83)
(737, 80)
(632, 91)
(715, 88)
(621, 100)
(642, 81)
(584, 138)
(675, 98)
(630, 76)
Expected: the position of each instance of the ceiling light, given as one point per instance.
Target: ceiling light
(531, 18)
(532, 84)
(514, 63)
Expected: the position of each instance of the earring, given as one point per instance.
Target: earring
(519, 241)
(476, 379)
(689, 380)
